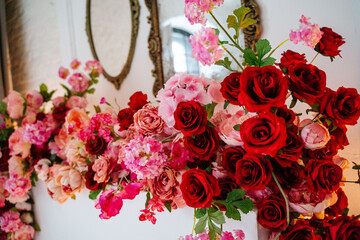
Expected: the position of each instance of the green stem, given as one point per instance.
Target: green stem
(232, 56)
(278, 47)
(192, 232)
(351, 181)
(227, 34)
(314, 58)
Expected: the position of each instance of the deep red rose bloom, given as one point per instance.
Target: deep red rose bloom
(325, 153)
(125, 118)
(340, 204)
(203, 145)
(290, 58)
(262, 88)
(307, 82)
(137, 100)
(96, 146)
(344, 228)
(253, 172)
(264, 133)
(323, 176)
(190, 118)
(302, 230)
(90, 183)
(339, 136)
(291, 152)
(290, 176)
(198, 188)
(5, 155)
(226, 186)
(40, 116)
(272, 213)
(230, 88)
(342, 106)
(59, 114)
(287, 114)
(329, 43)
(230, 157)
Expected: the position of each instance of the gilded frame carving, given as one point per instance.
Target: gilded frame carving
(135, 13)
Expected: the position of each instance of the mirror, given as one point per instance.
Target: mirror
(169, 46)
(112, 27)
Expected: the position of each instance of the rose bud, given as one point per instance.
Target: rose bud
(230, 88)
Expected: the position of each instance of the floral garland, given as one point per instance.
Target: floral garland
(219, 147)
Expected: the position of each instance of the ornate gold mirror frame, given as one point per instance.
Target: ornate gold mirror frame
(251, 35)
(135, 13)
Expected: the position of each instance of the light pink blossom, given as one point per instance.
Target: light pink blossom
(34, 99)
(58, 100)
(93, 67)
(102, 167)
(18, 145)
(195, 9)
(23, 206)
(42, 168)
(76, 102)
(308, 33)
(315, 136)
(27, 218)
(76, 154)
(63, 72)
(79, 82)
(131, 190)
(110, 203)
(25, 232)
(29, 117)
(15, 104)
(75, 64)
(76, 120)
(102, 100)
(10, 221)
(214, 92)
(18, 188)
(205, 46)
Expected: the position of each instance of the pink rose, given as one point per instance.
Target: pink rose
(15, 104)
(25, 232)
(110, 203)
(214, 92)
(63, 72)
(58, 100)
(10, 221)
(102, 168)
(79, 82)
(76, 102)
(315, 136)
(18, 145)
(75, 64)
(147, 121)
(76, 119)
(34, 99)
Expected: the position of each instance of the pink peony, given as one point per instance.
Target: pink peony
(34, 99)
(42, 168)
(29, 117)
(10, 221)
(75, 64)
(76, 102)
(93, 67)
(79, 82)
(25, 232)
(110, 203)
(147, 121)
(102, 168)
(23, 206)
(18, 145)
(308, 33)
(18, 188)
(315, 136)
(15, 104)
(63, 72)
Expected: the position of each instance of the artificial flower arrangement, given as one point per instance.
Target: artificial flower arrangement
(219, 147)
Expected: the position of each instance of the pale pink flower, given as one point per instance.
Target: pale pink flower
(79, 82)
(76, 102)
(59, 144)
(195, 9)
(110, 203)
(93, 67)
(16, 166)
(76, 119)
(34, 99)
(76, 154)
(42, 168)
(15, 104)
(58, 100)
(75, 64)
(315, 136)
(10, 221)
(18, 145)
(25, 232)
(18, 188)
(240, 235)
(144, 157)
(23, 206)
(102, 167)
(37, 133)
(179, 156)
(147, 121)
(205, 46)
(63, 72)
(308, 33)
(214, 92)
(258, 195)
(27, 218)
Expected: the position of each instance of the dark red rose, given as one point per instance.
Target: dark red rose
(96, 146)
(287, 114)
(340, 204)
(90, 183)
(302, 230)
(226, 186)
(262, 88)
(329, 43)
(292, 150)
(198, 188)
(59, 114)
(137, 100)
(190, 118)
(325, 153)
(125, 118)
(203, 145)
(307, 82)
(5, 155)
(344, 228)
(40, 116)
(230, 157)
(290, 176)
(339, 136)
(290, 58)
(230, 88)
(253, 172)
(264, 133)
(342, 106)
(38, 153)
(272, 213)
(323, 176)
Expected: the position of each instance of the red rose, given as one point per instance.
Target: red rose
(262, 88)
(325, 153)
(290, 58)
(125, 118)
(292, 150)
(264, 133)
(339, 135)
(287, 114)
(230, 157)
(307, 82)
(323, 176)
(203, 145)
(137, 100)
(344, 228)
(59, 114)
(290, 176)
(230, 88)
(329, 43)
(272, 213)
(226, 186)
(301, 230)
(190, 118)
(342, 106)
(253, 172)
(198, 188)
(340, 204)
(96, 146)
(90, 183)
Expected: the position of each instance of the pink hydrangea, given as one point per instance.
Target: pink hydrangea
(79, 82)
(205, 46)
(37, 133)
(63, 72)
(110, 203)
(144, 156)
(102, 124)
(10, 221)
(195, 9)
(308, 33)
(179, 88)
(93, 67)
(15, 104)
(75, 64)
(200, 236)
(25, 232)
(18, 188)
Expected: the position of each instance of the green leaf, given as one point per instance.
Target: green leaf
(226, 63)
(226, 104)
(3, 109)
(68, 92)
(262, 47)
(34, 178)
(293, 102)
(269, 61)
(237, 127)
(147, 198)
(167, 205)
(213, 230)
(232, 212)
(43, 87)
(223, 42)
(232, 22)
(357, 167)
(210, 109)
(245, 205)
(201, 224)
(36, 227)
(93, 194)
(345, 212)
(200, 212)
(97, 108)
(217, 216)
(295, 214)
(235, 194)
(91, 90)
(217, 31)
(240, 13)
(250, 57)
(73, 197)
(210, 124)
(247, 22)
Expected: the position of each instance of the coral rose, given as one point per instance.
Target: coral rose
(147, 121)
